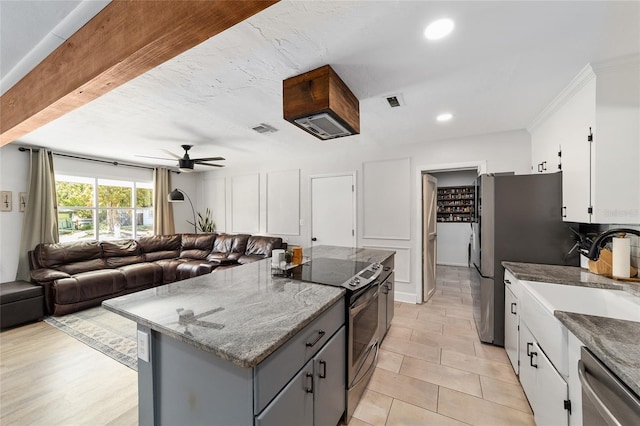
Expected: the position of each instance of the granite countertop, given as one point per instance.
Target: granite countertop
(567, 275)
(242, 314)
(615, 342)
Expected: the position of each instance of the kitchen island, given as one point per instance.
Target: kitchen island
(240, 346)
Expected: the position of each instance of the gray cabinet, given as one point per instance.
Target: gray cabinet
(386, 298)
(316, 394)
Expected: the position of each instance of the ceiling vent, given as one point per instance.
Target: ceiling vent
(264, 128)
(321, 104)
(394, 101)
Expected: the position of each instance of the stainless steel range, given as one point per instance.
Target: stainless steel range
(361, 281)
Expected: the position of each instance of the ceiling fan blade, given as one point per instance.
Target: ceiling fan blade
(176, 156)
(157, 158)
(212, 165)
(208, 159)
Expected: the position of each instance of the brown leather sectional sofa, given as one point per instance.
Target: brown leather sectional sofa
(82, 274)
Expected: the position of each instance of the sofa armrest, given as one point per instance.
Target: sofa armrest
(47, 275)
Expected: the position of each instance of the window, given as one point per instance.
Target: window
(103, 209)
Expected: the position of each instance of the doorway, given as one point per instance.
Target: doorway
(333, 207)
(475, 168)
(429, 235)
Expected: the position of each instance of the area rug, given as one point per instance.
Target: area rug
(109, 333)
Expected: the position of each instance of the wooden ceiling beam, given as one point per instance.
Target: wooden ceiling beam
(123, 41)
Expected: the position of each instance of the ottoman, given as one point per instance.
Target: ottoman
(20, 302)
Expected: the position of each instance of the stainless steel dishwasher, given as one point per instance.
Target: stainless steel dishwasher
(605, 399)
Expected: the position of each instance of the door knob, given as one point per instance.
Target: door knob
(314, 239)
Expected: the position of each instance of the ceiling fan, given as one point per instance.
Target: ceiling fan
(186, 163)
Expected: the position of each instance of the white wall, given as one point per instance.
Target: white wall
(14, 168)
(506, 151)
(453, 238)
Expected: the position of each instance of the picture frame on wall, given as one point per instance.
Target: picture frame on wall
(23, 198)
(6, 201)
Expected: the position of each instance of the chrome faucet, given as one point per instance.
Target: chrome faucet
(601, 240)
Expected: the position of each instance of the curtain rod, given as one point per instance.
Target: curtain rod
(114, 163)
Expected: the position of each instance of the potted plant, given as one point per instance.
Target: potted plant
(205, 223)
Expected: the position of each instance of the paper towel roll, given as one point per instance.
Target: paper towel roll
(621, 257)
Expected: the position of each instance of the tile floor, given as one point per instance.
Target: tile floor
(433, 369)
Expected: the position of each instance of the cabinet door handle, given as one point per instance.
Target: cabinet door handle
(321, 334)
(539, 167)
(564, 211)
(507, 282)
(531, 359)
(513, 305)
(544, 166)
(309, 389)
(528, 345)
(323, 372)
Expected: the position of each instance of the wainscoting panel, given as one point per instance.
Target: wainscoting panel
(245, 204)
(387, 199)
(283, 202)
(215, 197)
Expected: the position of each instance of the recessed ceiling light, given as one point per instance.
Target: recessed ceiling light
(444, 117)
(439, 29)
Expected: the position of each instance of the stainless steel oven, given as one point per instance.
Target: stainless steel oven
(362, 343)
(361, 281)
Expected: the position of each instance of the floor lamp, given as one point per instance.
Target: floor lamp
(177, 196)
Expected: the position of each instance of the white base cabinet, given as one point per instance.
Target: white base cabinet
(511, 327)
(545, 388)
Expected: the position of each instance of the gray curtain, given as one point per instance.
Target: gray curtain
(40, 224)
(163, 223)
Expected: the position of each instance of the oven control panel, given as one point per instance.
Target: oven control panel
(364, 277)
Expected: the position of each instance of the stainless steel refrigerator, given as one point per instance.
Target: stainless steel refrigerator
(519, 219)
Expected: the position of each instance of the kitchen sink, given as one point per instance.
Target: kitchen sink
(586, 300)
(540, 300)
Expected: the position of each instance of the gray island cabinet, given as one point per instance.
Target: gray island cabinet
(241, 347)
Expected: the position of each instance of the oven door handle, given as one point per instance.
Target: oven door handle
(362, 302)
(373, 364)
(590, 393)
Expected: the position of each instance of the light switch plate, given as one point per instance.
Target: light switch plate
(143, 346)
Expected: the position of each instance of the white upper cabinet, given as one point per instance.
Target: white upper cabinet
(600, 173)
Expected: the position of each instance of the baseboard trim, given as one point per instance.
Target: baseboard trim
(464, 265)
(400, 296)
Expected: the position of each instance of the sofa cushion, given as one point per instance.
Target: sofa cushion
(197, 246)
(160, 243)
(249, 258)
(156, 247)
(141, 274)
(122, 252)
(87, 286)
(84, 266)
(239, 246)
(262, 245)
(52, 255)
(46, 274)
(169, 269)
(223, 244)
(192, 268)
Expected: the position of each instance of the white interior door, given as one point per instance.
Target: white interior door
(333, 210)
(429, 235)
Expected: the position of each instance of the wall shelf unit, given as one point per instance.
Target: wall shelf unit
(456, 204)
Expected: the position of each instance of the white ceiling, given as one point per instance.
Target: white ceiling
(504, 62)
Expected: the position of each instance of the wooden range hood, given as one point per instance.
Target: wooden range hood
(321, 104)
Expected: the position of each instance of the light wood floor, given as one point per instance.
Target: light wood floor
(432, 370)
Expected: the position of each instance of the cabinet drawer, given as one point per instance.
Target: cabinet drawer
(275, 371)
(513, 283)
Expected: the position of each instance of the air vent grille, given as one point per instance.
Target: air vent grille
(394, 101)
(264, 128)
